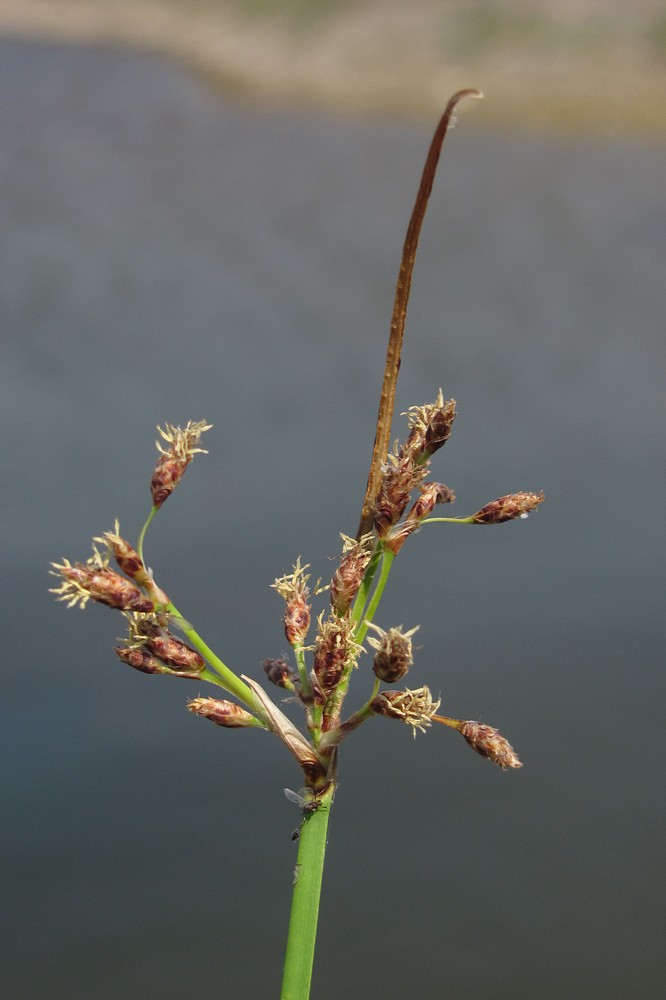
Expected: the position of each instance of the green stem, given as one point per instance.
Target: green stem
(207, 675)
(316, 716)
(139, 544)
(364, 589)
(229, 681)
(387, 562)
(211, 678)
(448, 520)
(446, 721)
(299, 655)
(308, 875)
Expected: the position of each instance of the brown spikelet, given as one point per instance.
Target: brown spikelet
(294, 590)
(393, 656)
(174, 460)
(348, 576)
(333, 651)
(280, 673)
(416, 708)
(431, 494)
(223, 713)
(490, 743)
(90, 581)
(507, 508)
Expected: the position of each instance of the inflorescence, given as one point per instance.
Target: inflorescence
(318, 679)
(399, 500)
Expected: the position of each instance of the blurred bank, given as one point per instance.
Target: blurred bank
(590, 66)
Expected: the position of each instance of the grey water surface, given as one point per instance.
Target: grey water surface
(167, 255)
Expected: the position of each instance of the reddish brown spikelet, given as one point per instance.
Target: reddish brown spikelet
(507, 508)
(348, 576)
(130, 562)
(489, 743)
(439, 425)
(141, 660)
(393, 656)
(109, 588)
(416, 708)
(279, 673)
(176, 653)
(399, 479)
(148, 634)
(174, 460)
(293, 588)
(332, 651)
(223, 713)
(84, 581)
(431, 495)
(166, 476)
(430, 427)
(297, 620)
(148, 663)
(127, 558)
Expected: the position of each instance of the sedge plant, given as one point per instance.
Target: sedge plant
(400, 499)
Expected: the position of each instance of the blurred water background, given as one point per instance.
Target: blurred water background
(168, 255)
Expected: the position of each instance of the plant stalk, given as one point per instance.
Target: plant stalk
(399, 315)
(387, 558)
(308, 875)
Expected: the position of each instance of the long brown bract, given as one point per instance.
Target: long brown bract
(403, 286)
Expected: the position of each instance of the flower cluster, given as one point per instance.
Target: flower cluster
(149, 646)
(354, 592)
(407, 467)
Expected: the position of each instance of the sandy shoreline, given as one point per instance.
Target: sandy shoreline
(569, 73)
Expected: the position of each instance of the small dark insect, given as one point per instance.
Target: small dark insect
(307, 807)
